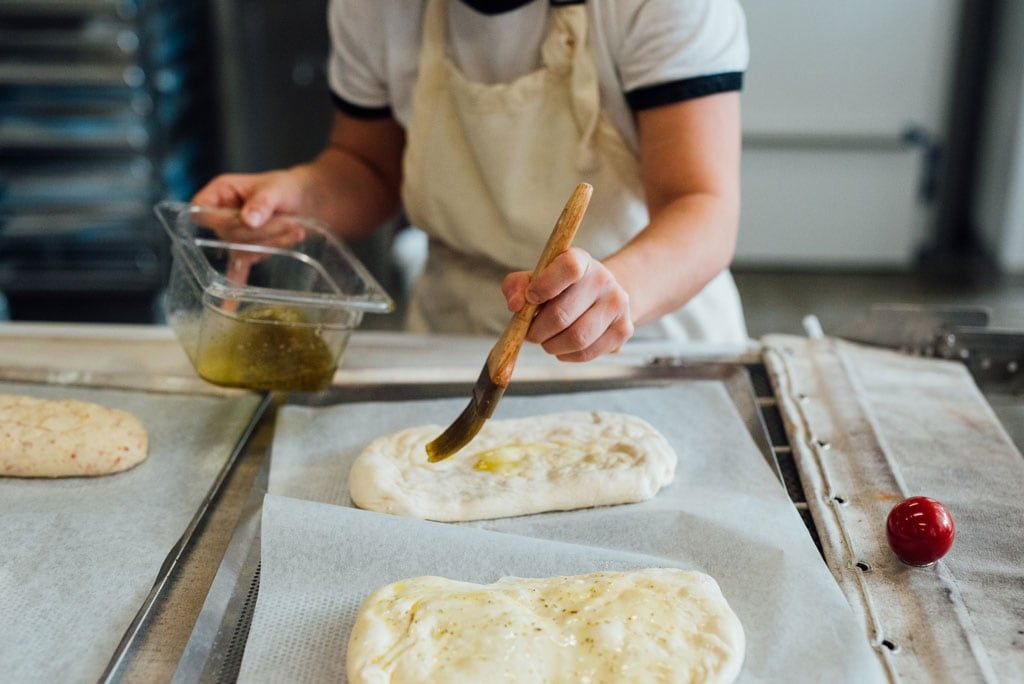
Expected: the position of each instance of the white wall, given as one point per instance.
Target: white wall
(831, 88)
(834, 207)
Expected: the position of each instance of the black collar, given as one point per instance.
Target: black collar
(496, 6)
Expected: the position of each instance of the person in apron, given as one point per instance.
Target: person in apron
(484, 168)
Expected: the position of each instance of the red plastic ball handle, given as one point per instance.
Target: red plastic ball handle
(920, 530)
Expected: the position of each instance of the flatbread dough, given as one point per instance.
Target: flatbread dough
(46, 438)
(555, 462)
(657, 625)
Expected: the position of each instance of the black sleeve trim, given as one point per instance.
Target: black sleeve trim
(671, 92)
(358, 111)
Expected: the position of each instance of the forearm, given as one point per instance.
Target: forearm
(347, 193)
(688, 242)
(353, 185)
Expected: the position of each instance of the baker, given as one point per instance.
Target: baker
(480, 116)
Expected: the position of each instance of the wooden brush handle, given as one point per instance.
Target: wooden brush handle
(502, 359)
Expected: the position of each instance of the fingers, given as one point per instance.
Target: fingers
(216, 193)
(242, 259)
(567, 269)
(281, 233)
(559, 313)
(587, 316)
(514, 288)
(583, 331)
(258, 196)
(227, 191)
(610, 312)
(610, 342)
(239, 265)
(261, 204)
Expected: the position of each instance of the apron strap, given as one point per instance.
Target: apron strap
(433, 38)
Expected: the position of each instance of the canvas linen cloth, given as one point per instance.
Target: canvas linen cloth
(725, 514)
(79, 555)
(870, 427)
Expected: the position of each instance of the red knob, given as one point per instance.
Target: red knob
(920, 530)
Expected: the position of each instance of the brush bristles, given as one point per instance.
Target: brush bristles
(485, 398)
(458, 434)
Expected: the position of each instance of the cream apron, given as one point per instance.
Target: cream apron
(487, 169)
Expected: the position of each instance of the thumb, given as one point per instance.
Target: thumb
(260, 205)
(514, 288)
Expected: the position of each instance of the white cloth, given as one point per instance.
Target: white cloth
(488, 166)
(635, 44)
(870, 427)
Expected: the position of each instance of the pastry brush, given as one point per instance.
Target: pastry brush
(497, 371)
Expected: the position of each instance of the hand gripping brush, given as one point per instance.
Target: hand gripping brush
(497, 371)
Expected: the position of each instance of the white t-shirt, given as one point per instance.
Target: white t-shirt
(648, 52)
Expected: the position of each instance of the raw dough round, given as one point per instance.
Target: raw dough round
(655, 625)
(554, 462)
(64, 438)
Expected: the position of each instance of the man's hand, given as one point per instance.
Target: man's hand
(258, 196)
(584, 311)
(352, 185)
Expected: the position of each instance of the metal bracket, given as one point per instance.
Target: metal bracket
(994, 357)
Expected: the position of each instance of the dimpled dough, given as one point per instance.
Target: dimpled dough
(46, 438)
(656, 625)
(555, 462)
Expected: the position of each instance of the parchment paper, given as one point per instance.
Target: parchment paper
(725, 514)
(78, 555)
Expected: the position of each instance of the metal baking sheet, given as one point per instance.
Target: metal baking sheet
(84, 558)
(319, 563)
(215, 650)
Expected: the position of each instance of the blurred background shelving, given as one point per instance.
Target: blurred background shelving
(883, 147)
(104, 109)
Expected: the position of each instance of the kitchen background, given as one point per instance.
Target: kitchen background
(883, 159)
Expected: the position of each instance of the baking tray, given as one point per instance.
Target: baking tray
(215, 648)
(162, 584)
(249, 416)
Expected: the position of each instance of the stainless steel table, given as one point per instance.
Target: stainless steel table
(149, 359)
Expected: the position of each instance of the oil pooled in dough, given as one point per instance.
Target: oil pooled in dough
(519, 458)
